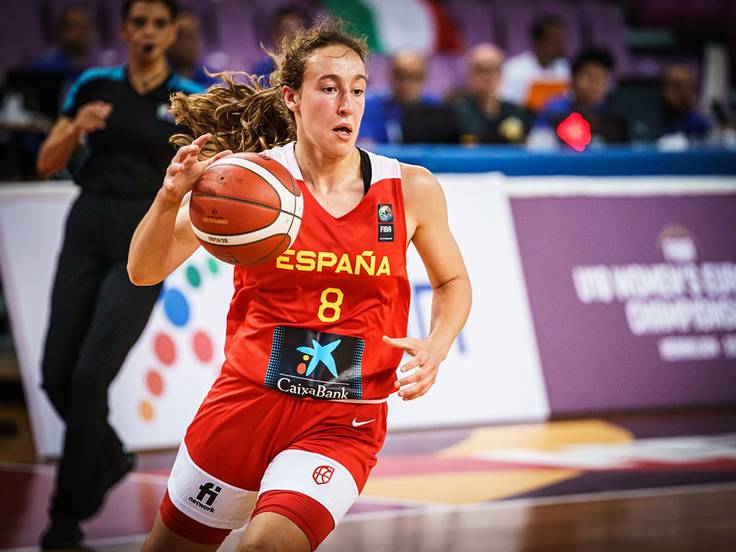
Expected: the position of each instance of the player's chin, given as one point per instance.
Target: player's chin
(340, 145)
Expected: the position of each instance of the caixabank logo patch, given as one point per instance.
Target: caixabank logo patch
(321, 365)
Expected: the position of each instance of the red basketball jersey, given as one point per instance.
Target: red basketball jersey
(310, 323)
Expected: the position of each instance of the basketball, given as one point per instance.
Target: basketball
(246, 210)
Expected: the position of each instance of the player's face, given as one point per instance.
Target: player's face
(149, 30)
(329, 106)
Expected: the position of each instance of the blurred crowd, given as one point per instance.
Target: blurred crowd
(524, 99)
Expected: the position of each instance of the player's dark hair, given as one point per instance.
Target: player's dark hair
(598, 56)
(171, 5)
(542, 23)
(243, 113)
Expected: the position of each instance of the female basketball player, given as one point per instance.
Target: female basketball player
(259, 442)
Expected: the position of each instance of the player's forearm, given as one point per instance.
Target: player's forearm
(152, 242)
(56, 150)
(450, 308)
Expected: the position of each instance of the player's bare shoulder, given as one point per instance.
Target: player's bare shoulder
(423, 197)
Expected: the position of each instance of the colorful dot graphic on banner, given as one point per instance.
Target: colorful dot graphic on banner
(193, 276)
(145, 409)
(164, 348)
(202, 345)
(154, 382)
(176, 307)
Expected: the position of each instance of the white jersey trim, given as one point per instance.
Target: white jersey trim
(195, 493)
(381, 167)
(301, 471)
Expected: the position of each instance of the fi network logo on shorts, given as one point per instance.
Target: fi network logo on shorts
(208, 493)
(322, 474)
(320, 365)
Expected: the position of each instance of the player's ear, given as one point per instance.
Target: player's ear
(291, 98)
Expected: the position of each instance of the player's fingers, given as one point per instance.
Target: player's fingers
(413, 363)
(416, 391)
(202, 140)
(217, 156)
(186, 151)
(406, 343)
(407, 392)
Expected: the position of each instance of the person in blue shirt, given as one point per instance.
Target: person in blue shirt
(285, 22)
(588, 95)
(679, 96)
(76, 35)
(184, 54)
(383, 112)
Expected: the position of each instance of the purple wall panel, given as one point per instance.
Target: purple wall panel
(595, 355)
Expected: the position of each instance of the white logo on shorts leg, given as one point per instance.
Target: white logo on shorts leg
(322, 474)
(356, 423)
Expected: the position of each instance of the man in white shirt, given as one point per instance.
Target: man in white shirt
(544, 66)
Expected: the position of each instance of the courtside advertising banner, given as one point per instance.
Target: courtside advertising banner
(491, 374)
(632, 286)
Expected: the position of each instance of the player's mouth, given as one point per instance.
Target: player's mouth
(343, 131)
(148, 48)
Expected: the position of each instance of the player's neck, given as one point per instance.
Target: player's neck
(326, 174)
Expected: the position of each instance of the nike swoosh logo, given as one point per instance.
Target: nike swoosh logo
(356, 423)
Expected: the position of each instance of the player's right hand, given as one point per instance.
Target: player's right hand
(186, 168)
(92, 116)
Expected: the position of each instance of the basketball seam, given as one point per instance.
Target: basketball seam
(273, 250)
(241, 200)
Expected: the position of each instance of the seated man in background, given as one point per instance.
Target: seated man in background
(679, 114)
(184, 54)
(384, 112)
(483, 116)
(590, 87)
(532, 77)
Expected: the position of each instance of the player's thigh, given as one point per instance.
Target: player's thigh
(272, 531)
(163, 539)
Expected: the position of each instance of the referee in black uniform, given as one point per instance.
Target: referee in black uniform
(97, 315)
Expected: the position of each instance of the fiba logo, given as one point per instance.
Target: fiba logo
(322, 474)
(210, 491)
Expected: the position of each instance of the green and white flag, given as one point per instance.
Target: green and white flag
(393, 25)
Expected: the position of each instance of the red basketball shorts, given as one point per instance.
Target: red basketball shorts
(303, 458)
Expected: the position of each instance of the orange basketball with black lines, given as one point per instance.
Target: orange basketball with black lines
(246, 209)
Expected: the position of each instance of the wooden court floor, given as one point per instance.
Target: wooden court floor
(664, 482)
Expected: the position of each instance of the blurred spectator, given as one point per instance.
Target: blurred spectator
(679, 115)
(590, 87)
(76, 35)
(286, 21)
(382, 119)
(37, 90)
(184, 54)
(482, 115)
(532, 77)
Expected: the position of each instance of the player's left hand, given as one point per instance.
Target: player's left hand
(427, 357)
